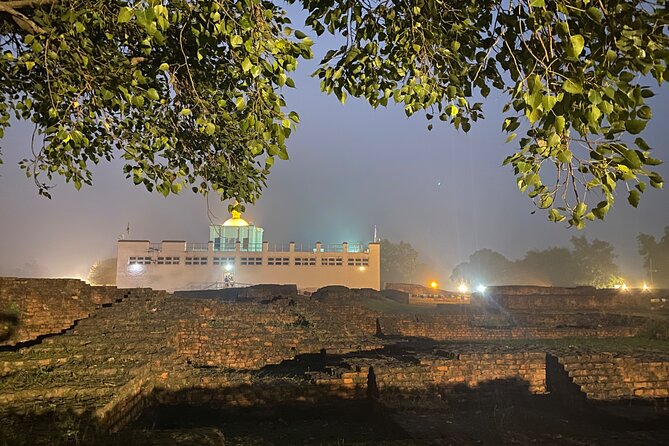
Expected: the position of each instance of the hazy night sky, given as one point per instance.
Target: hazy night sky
(350, 168)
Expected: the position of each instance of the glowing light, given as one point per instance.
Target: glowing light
(362, 268)
(433, 284)
(617, 286)
(463, 288)
(135, 268)
(623, 287)
(645, 287)
(228, 267)
(481, 288)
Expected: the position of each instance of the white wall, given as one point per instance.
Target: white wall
(138, 266)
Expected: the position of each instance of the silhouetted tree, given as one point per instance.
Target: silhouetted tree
(588, 263)
(487, 267)
(655, 258)
(595, 263)
(399, 262)
(549, 267)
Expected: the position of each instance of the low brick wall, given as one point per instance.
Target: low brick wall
(525, 371)
(34, 307)
(536, 298)
(606, 376)
(463, 327)
(252, 335)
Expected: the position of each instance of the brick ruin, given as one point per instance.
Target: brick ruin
(80, 362)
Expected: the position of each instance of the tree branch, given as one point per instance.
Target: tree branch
(18, 4)
(10, 7)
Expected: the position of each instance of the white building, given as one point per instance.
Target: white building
(236, 255)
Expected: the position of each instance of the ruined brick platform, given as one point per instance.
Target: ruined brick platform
(80, 363)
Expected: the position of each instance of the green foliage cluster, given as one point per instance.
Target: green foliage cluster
(587, 263)
(188, 92)
(655, 254)
(574, 73)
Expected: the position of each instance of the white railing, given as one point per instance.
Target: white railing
(197, 247)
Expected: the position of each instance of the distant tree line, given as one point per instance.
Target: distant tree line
(584, 263)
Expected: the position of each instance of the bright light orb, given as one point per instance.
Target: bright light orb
(228, 267)
(362, 268)
(135, 268)
(481, 288)
(463, 288)
(623, 287)
(434, 284)
(645, 287)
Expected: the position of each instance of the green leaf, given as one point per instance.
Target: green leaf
(152, 94)
(576, 45)
(634, 197)
(246, 64)
(572, 86)
(635, 126)
(545, 202)
(645, 112)
(164, 67)
(236, 41)
(559, 124)
(548, 102)
(555, 216)
(125, 14)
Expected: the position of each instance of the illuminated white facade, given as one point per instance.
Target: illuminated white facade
(226, 260)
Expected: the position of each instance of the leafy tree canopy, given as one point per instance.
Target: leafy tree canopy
(188, 92)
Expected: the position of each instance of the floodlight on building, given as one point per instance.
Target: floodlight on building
(135, 268)
(481, 288)
(463, 288)
(645, 287)
(433, 284)
(228, 267)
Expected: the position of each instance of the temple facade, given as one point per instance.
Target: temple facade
(237, 255)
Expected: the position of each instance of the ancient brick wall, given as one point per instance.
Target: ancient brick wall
(463, 370)
(606, 376)
(443, 327)
(33, 307)
(533, 298)
(252, 335)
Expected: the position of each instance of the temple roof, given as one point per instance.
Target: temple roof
(236, 220)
